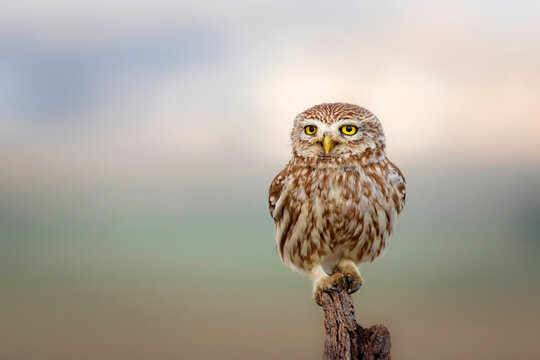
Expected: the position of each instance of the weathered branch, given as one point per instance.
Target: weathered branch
(345, 339)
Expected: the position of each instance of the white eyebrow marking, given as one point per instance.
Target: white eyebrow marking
(352, 121)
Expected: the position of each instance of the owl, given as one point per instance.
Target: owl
(337, 200)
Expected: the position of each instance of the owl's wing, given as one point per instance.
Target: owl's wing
(275, 191)
(399, 184)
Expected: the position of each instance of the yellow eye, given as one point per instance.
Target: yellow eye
(349, 129)
(310, 129)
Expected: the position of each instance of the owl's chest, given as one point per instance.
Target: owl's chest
(334, 197)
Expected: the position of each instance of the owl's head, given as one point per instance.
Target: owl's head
(337, 131)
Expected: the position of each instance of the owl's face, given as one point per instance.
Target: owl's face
(330, 131)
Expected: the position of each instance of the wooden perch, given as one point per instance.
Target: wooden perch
(345, 339)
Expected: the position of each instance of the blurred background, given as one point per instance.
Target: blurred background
(138, 141)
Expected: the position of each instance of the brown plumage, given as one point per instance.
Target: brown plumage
(336, 202)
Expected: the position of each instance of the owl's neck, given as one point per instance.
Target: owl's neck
(369, 156)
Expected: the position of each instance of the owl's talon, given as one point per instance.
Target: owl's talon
(348, 281)
(353, 279)
(354, 289)
(334, 288)
(329, 283)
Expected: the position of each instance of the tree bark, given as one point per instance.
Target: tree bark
(345, 339)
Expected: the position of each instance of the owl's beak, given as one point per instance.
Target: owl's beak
(328, 143)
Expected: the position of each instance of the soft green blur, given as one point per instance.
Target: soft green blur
(137, 144)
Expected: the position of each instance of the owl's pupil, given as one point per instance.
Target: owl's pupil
(311, 129)
(349, 128)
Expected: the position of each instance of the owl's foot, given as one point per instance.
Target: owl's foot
(336, 282)
(353, 279)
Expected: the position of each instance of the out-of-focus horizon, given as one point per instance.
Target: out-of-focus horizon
(138, 140)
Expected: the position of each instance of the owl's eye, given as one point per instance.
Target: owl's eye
(349, 129)
(310, 129)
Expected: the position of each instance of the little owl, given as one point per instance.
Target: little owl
(336, 202)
